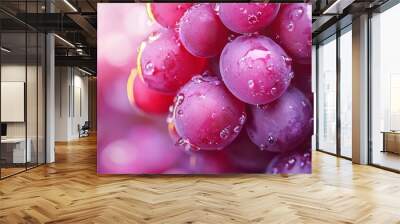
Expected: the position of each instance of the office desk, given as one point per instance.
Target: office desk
(391, 141)
(16, 147)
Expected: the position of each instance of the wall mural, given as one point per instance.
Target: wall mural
(207, 88)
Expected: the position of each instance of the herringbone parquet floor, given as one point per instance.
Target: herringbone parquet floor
(70, 191)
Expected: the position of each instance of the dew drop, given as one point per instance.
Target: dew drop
(292, 161)
(273, 91)
(250, 84)
(179, 6)
(149, 69)
(181, 141)
(237, 129)
(271, 140)
(242, 119)
(231, 37)
(262, 147)
(298, 13)
(154, 36)
(213, 115)
(259, 13)
(180, 112)
(252, 19)
(224, 134)
(290, 26)
(303, 103)
(275, 170)
(179, 99)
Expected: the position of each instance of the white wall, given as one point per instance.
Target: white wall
(71, 94)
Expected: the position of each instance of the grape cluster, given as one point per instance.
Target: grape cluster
(233, 80)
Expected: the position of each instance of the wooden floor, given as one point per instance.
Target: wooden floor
(70, 191)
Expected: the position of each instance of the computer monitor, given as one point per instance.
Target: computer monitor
(3, 129)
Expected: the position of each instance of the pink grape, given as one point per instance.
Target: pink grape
(206, 115)
(167, 14)
(283, 124)
(145, 98)
(248, 156)
(164, 63)
(247, 17)
(202, 32)
(295, 162)
(255, 69)
(292, 30)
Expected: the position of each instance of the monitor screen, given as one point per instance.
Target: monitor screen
(3, 129)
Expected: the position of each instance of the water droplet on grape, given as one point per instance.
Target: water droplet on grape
(242, 119)
(292, 161)
(271, 140)
(291, 75)
(181, 141)
(262, 147)
(302, 164)
(149, 69)
(179, 6)
(252, 19)
(154, 36)
(231, 37)
(250, 84)
(237, 129)
(297, 13)
(259, 13)
(224, 134)
(290, 26)
(179, 99)
(303, 103)
(180, 112)
(290, 107)
(275, 170)
(213, 115)
(273, 91)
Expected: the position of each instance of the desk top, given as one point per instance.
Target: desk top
(391, 132)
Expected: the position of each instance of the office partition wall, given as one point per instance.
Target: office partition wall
(22, 87)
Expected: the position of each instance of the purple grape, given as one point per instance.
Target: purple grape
(247, 17)
(302, 79)
(202, 32)
(167, 14)
(205, 162)
(281, 125)
(248, 156)
(292, 30)
(296, 162)
(164, 64)
(255, 69)
(206, 115)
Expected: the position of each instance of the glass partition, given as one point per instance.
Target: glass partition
(385, 89)
(326, 99)
(22, 77)
(346, 92)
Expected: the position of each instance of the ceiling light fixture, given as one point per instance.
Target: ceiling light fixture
(84, 71)
(5, 50)
(64, 40)
(70, 5)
